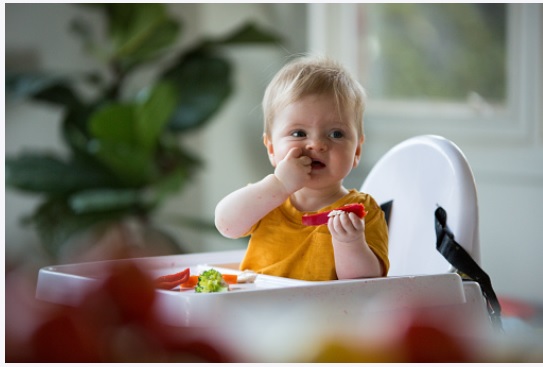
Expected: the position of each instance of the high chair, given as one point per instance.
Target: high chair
(414, 178)
(411, 181)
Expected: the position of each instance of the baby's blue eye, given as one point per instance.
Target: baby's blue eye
(298, 134)
(336, 134)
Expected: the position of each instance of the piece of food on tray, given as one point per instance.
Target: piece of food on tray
(230, 278)
(192, 281)
(247, 276)
(211, 281)
(171, 281)
(207, 284)
(318, 219)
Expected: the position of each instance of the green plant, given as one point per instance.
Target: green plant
(125, 155)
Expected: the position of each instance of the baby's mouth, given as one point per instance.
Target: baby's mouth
(315, 164)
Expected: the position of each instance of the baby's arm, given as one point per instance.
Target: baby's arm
(353, 257)
(240, 210)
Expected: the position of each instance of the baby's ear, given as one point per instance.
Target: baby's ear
(358, 152)
(269, 147)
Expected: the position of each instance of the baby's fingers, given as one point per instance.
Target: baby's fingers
(344, 223)
(294, 153)
(305, 160)
(346, 228)
(348, 221)
(355, 221)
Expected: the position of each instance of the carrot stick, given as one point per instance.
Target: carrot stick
(230, 278)
(191, 282)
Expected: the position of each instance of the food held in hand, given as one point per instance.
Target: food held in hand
(322, 218)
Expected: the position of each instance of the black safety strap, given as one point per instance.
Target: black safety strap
(387, 210)
(464, 263)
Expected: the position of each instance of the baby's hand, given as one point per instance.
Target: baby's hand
(294, 170)
(347, 228)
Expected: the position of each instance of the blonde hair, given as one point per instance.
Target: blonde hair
(314, 75)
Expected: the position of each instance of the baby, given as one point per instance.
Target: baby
(313, 133)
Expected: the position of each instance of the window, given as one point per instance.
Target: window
(433, 52)
(454, 69)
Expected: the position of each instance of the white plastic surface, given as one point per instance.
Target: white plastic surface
(419, 174)
(66, 284)
(341, 301)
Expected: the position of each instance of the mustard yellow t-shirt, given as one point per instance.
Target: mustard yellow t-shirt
(281, 245)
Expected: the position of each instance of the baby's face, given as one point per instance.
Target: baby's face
(314, 125)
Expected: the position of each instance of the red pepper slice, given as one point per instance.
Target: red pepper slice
(171, 281)
(322, 218)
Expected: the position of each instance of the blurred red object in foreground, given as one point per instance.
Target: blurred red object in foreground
(115, 323)
(429, 342)
(418, 336)
(512, 307)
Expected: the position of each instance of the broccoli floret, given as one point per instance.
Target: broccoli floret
(211, 281)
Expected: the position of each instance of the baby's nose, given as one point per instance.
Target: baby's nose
(318, 145)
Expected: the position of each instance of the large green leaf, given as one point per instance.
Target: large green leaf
(136, 200)
(126, 135)
(149, 45)
(153, 114)
(115, 123)
(100, 200)
(172, 158)
(41, 173)
(56, 223)
(42, 87)
(205, 84)
(248, 33)
(204, 77)
(139, 31)
(115, 144)
(75, 131)
(130, 164)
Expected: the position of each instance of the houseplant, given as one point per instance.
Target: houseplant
(125, 156)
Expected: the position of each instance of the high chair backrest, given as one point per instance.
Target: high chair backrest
(418, 175)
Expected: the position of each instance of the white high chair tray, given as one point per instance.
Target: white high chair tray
(337, 301)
